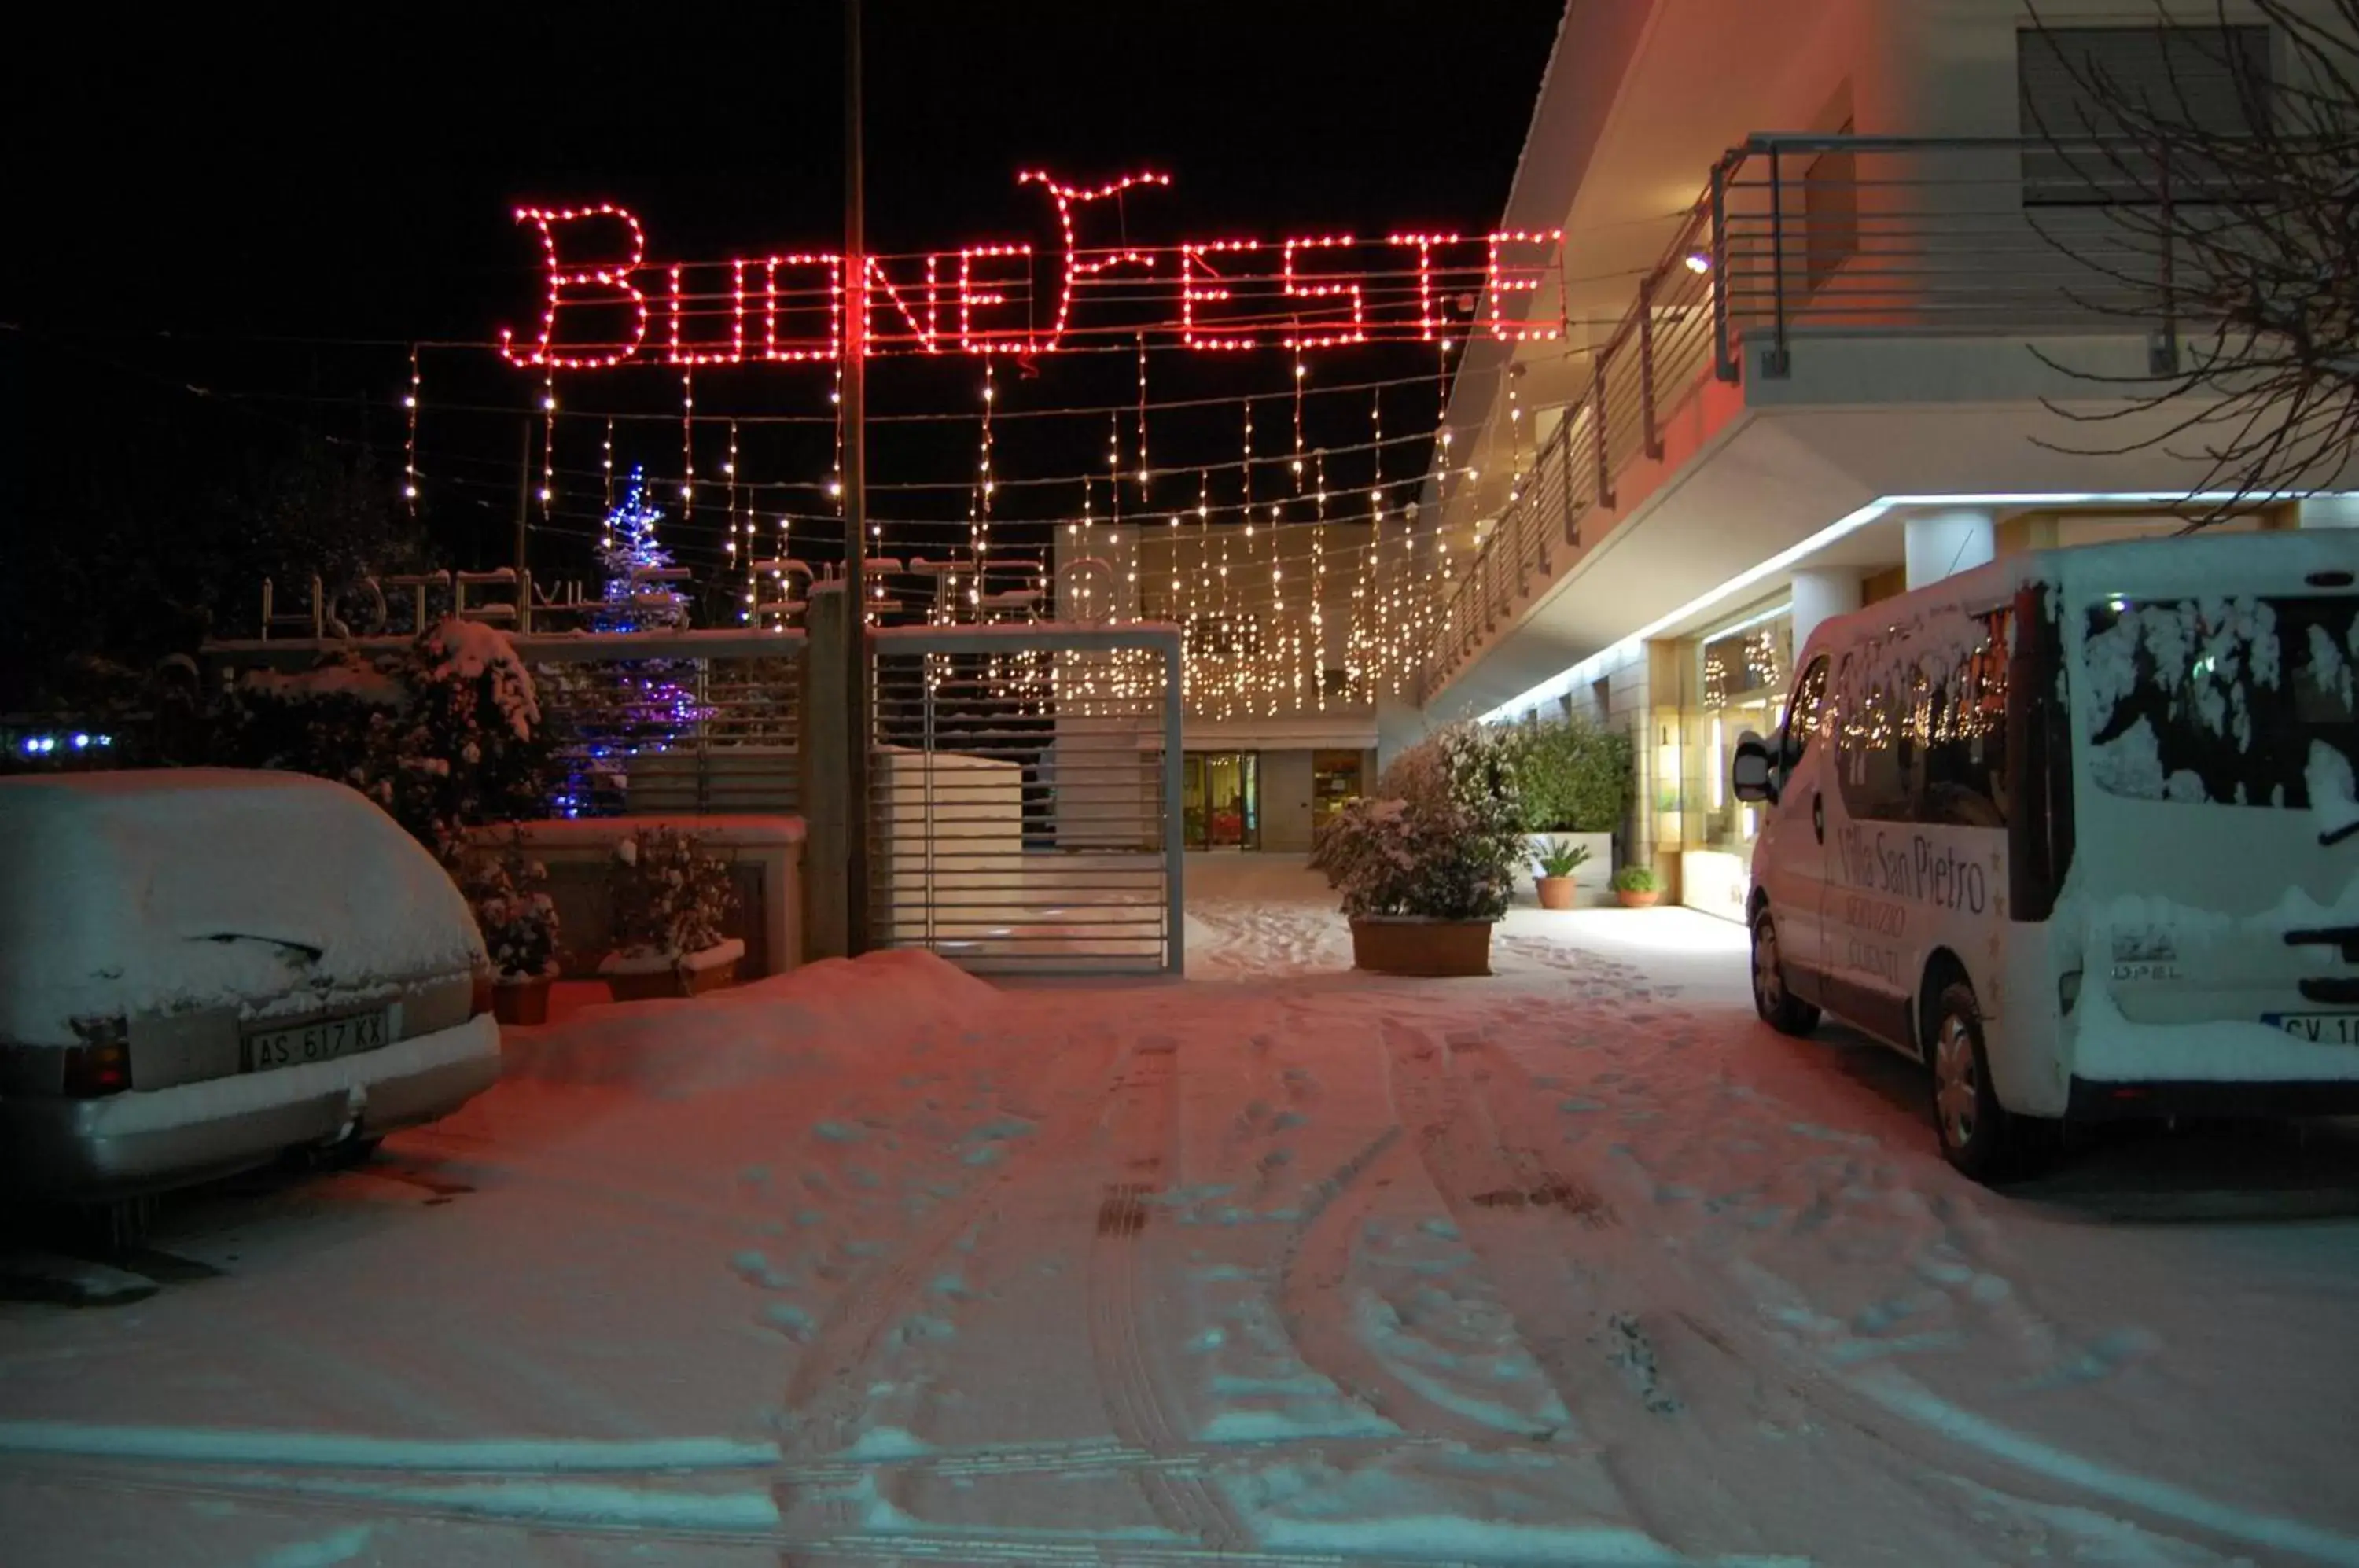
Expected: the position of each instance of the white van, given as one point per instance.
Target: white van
(2078, 829)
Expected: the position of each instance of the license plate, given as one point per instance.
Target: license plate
(324, 1040)
(2318, 1028)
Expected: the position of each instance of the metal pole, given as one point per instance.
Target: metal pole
(523, 483)
(1175, 856)
(1775, 362)
(855, 494)
(1724, 361)
(1647, 367)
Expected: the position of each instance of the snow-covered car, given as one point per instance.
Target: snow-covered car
(200, 969)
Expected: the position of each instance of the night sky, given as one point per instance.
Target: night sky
(272, 212)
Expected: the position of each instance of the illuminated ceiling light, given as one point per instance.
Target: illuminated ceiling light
(1698, 263)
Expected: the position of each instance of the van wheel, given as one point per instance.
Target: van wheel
(1778, 1007)
(1978, 1134)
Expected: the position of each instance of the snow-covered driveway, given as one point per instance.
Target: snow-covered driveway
(1576, 1264)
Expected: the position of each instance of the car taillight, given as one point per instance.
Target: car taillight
(478, 1001)
(101, 1064)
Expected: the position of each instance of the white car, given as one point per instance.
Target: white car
(200, 969)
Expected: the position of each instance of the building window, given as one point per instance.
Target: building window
(2071, 83)
(1734, 680)
(1335, 782)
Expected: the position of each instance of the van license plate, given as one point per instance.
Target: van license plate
(2318, 1028)
(321, 1041)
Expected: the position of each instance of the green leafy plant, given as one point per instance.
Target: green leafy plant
(1637, 879)
(1575, 777)
(1561, 858)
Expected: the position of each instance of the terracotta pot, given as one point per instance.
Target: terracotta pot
(523, 1002)
(696, 982)
(1556, 892)
(658, 984)
(1631, 900)
(1421, 947)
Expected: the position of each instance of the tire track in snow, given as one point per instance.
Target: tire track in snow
(1480, 1175)
(1912, 1439)
(826, 1394)
(1136, 1140)
(1314, 1290)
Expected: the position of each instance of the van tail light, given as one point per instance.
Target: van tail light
(101, 1063)
(2068, 989)
(479, 1000)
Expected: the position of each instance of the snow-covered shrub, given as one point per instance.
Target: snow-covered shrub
(671, 897)
(445, 735)
(1447, 847)
(518, 921)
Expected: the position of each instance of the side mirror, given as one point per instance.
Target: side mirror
(1751, 773)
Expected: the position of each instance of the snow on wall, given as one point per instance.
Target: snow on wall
(142, 892)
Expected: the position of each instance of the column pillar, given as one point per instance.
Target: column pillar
(1820, 595)
(1943, 544)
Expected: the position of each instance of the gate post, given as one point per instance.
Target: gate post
(826, 737)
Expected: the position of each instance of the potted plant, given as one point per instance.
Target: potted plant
(1637, 887)
(1559, 859)
(519, 926)
(1426, 873)
(670, 899)
(1575, 776)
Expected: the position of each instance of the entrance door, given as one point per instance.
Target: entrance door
(1232, 800)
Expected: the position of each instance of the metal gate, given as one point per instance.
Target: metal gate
(1025, 788)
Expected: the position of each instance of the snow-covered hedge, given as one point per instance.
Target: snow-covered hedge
(445, 735)
(1442, 839)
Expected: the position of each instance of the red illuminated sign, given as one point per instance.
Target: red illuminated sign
(603, 295)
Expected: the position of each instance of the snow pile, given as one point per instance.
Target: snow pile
(349, 677)
(146, 892)
(726, 1038)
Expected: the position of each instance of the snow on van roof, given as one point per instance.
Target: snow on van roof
(151, 891)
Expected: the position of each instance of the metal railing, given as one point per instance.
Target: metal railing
(1024, 797)
(1796, 237)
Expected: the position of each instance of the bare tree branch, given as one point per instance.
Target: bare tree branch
(2237, 246)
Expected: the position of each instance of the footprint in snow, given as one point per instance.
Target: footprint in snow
(789, 1320)
(2099, 1360)
(754, 1268)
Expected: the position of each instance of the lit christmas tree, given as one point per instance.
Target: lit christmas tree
(625, 708)
(627, 550)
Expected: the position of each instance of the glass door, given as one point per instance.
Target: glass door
(1219, 797)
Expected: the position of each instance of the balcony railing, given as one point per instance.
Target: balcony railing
(1797, 237)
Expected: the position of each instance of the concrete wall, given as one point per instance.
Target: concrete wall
(766, 857)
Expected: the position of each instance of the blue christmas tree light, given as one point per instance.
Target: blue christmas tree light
(629, 709)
